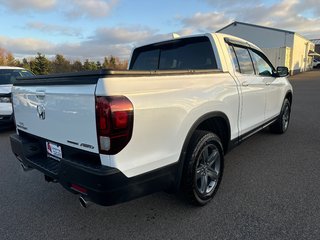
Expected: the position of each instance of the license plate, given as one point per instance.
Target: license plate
(54, 151)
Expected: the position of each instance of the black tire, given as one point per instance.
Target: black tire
(282, 123)
(203, 167)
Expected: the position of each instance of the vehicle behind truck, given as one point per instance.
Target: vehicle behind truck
(164, 124)
(7, 76)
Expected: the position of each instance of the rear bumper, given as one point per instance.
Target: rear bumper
(104, 185)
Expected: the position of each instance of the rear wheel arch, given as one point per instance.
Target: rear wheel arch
(203, 168)
(215, 122)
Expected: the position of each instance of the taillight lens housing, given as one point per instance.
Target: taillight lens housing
(114, 117)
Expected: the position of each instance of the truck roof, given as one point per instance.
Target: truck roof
(9, 67)
(218, 35)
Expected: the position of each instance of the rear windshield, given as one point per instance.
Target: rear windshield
(180, 54)
(8, 76)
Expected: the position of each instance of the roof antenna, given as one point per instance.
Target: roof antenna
(175, 35)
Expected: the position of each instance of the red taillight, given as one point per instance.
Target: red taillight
(78, 188)
(114, 116)
(120, 119)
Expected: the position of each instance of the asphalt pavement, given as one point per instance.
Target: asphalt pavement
(270, 190)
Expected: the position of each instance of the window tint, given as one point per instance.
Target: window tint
(8, 76)
(146, 60)
(234, 58)
(180, 54)
(261, 66)
(188, 55)
(244, 59)
(25, 73)
(5, 77)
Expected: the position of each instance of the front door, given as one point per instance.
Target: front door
(264, 71)
(253, 91)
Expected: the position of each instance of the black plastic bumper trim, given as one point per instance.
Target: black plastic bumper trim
(104, 185)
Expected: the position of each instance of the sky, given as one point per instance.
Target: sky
(93, 29)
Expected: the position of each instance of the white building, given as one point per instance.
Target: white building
(317, 48)
(283, 48)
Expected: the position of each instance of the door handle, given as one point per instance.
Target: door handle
(245, 83)
(268, 83)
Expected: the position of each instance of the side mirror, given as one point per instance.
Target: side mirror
(282, 71)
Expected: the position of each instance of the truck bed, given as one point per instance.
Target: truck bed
(92, 77)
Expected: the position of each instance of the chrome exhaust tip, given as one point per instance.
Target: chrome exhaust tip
(25, 168)
(83, 202)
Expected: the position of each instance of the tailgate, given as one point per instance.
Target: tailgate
(63, 114)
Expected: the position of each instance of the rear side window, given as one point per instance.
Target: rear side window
(244, 59)
(180, 54)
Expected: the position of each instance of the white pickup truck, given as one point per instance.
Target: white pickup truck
(166, 123)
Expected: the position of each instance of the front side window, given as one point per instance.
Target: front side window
(244, 60)
(261, 66)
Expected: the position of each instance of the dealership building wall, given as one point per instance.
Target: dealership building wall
(283, 48)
